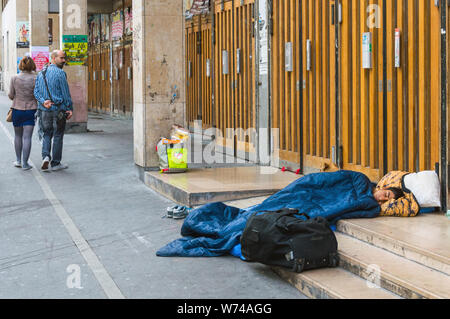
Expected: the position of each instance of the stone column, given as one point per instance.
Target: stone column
(159, 75)
(38, 23)
(38, 11)
(73, 21)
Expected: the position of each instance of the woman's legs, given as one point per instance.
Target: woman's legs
(26, 150)
(18, 143)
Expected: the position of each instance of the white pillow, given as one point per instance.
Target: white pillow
(426, 188)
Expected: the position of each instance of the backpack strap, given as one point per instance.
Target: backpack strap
(44, 72)
(284, 212)
(291, 212)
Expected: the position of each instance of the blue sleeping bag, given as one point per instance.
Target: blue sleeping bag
(215, 229)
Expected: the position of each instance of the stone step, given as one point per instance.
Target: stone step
(424, 239)
(397, 274)
(333, 283)
(411, 255)
(202, 186)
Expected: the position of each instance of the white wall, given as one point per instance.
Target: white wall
(1, 46)
(9, 47)
(15, 10)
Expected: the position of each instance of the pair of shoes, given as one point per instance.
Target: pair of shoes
(181, 212)
(45, 164)
(170, 211)
(59, 167)
(27, 167)
(17, 164)
(177, 212)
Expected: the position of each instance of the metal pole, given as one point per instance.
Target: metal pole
(233, 77)
(299, 41)
(257, 78)
(212, 9)
(200, 69)
(111, 77)
(385, 140)
(270, 71)
(339, 158)
(444, 127)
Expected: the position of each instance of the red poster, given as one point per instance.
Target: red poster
(41, 57)
(117, 25)
(128, 21)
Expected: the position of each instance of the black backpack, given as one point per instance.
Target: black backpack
(280, 239)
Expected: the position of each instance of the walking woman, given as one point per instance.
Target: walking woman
(24, 108)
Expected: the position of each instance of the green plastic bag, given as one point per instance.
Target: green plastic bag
(173, 156)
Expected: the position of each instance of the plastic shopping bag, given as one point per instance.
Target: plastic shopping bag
(173, 156)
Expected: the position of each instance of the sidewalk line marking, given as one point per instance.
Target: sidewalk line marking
(106, 282)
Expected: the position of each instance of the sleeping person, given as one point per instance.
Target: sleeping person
(215, 229)
(394, 198)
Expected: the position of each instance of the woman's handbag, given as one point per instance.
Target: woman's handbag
(9, 115)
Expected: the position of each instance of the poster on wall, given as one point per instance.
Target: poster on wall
(128, 21)
(23, 34)
(105, 27)
(263, 40)
(76, 49)
(96, 29)
(196, 7)
(188, 4)
(117, 25)
(40, 56)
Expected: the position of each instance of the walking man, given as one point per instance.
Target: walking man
(54, 108)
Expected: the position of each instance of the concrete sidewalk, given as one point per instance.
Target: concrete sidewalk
(92, 231)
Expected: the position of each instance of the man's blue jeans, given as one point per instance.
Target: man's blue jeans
(52, 126)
